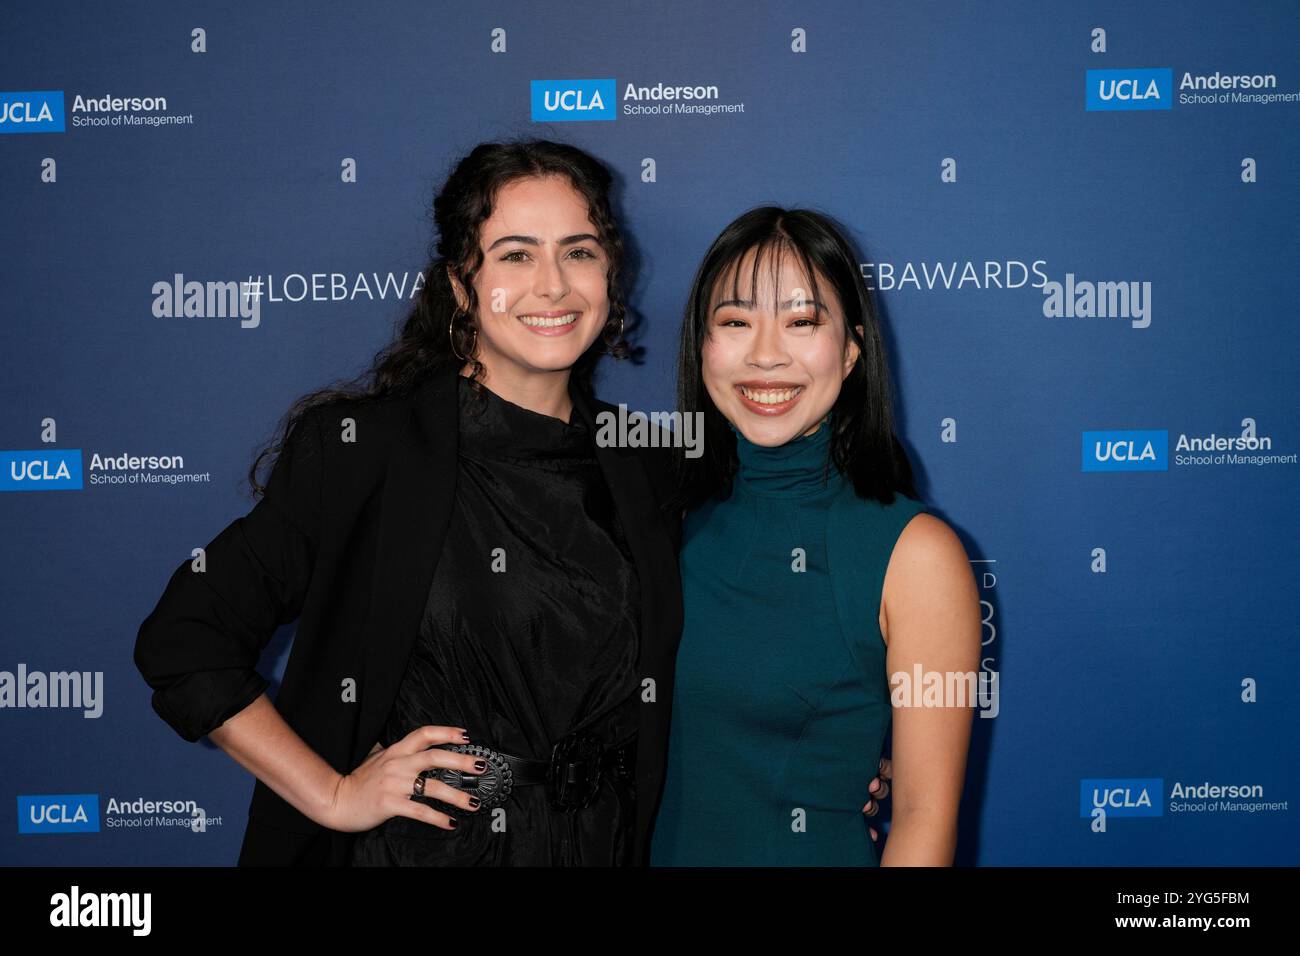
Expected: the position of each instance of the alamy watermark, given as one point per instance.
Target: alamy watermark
(639, 430)
(920, 688)
(182, 298)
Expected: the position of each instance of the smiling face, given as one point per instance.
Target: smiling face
(773, 366)
(543, 295)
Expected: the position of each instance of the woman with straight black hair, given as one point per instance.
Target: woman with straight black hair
(810, 572)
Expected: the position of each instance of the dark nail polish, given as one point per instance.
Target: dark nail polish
(480, 765)
(474, 802)
(452, 822)
(464, 736)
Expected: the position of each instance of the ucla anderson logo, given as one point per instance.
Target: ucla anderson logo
(59, 813)
(48, 470)
(568, 101)
(1130, 89)
(1126, 451)
(40, 112)
(1122, 797)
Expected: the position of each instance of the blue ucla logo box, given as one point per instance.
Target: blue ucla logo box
(47, 470)
(568, 101)
(1122, 796)
(59, 813)
(1126, 450)
(1151, 89)
(38, 112)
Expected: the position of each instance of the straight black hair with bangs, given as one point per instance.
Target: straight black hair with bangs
(863, 444)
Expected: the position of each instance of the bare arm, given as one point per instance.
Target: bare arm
(261, 742)
(930, 615)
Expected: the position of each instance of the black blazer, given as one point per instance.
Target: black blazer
(345, 539)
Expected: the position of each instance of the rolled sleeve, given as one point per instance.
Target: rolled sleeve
(200, 646)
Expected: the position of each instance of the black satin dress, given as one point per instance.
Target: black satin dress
(522, 656)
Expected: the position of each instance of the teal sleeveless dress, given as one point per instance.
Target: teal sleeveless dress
(781, 699)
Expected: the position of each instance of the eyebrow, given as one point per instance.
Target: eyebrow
(787, 304)
(533, 241)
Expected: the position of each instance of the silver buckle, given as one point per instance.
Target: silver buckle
(493, 786)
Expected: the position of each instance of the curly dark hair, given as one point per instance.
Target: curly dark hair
(436, 332)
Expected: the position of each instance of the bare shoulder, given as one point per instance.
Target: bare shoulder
(927, 542)
(929, 574)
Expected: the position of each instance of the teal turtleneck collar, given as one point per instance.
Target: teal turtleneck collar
(796, 469)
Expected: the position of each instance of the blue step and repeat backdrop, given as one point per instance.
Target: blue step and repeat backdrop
(1080, 221)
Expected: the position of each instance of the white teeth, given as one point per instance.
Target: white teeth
(543, 322)
(770, 396)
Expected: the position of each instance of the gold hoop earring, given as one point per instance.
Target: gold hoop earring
(451, 336)
(618, 337)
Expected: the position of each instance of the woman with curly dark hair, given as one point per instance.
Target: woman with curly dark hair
(487, 600)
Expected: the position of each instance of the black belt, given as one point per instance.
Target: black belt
(578, 764)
